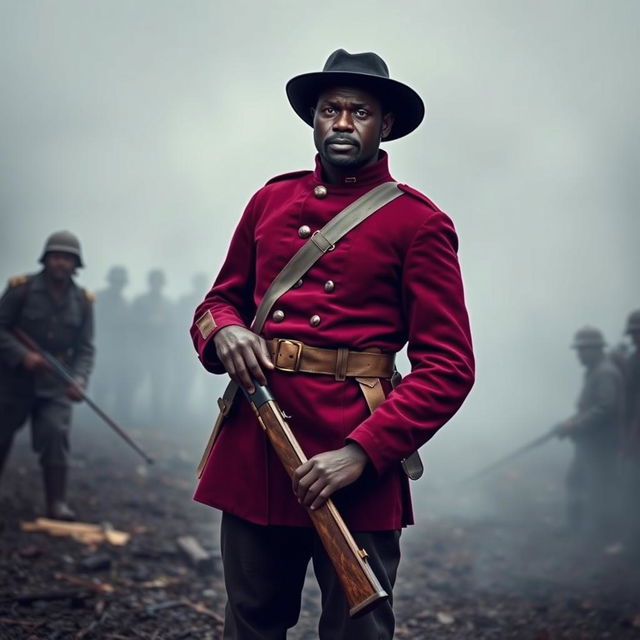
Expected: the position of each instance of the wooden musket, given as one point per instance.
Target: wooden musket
(360, 585)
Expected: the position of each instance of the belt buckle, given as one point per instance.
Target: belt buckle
(298, 345)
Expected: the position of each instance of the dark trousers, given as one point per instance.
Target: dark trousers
(264, 571)
(50, 423)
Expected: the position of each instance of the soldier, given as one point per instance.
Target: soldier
(631, 435)
(58, 315)
(112, 382)
(392, 280)
(594, 430)
(152, 312)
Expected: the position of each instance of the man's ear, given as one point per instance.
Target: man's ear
(387, 124)
(313, 112)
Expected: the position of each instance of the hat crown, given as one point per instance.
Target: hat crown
(368, 63)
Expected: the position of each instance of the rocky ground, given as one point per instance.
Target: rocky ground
(466, 572)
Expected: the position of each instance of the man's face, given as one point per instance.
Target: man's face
(60, 266)
(348, 125)
(589, 355)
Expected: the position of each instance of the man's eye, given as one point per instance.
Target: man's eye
(361, 113)
(329, 110)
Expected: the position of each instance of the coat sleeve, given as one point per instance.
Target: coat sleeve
(231, 299)
(439, 349)
(12, 350)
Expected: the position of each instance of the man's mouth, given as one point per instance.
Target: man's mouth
(341, 144)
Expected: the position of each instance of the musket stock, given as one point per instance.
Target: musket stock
(360, 585)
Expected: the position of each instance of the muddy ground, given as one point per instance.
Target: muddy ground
(466, 573)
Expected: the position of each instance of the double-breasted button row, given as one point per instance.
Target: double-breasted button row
(304, 231)
(320, 192)
(278, 316)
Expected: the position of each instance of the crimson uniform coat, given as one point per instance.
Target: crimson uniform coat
(396, 280)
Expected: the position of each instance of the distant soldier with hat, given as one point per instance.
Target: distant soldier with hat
(326, 348)
(56, 314)
(595, 432)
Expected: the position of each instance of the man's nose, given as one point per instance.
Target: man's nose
(343, 122)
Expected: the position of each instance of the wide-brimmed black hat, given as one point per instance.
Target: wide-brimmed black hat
(368, 71)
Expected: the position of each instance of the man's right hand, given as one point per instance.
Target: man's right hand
(243, 354)
(33, 361)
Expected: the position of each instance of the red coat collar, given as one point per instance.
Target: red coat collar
(368, 176)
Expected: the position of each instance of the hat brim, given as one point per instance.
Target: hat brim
(405, 104)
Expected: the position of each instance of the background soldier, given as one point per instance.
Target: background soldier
(631, 435)
(112, 384)
(151, 313)
(594, 430)
(58, 315)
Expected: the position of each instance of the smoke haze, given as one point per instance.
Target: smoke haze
(145, 127)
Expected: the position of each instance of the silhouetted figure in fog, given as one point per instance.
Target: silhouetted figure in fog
(113, 383)
(631, 435)
(594, 430)
(58, 315)
(185, 367)
(152, 317)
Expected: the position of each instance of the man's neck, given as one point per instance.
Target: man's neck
(57, 287)
(337, 175)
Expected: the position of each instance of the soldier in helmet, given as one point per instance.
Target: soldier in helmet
(58, 315)
(594, 430)
(112, 382)
(631, 434)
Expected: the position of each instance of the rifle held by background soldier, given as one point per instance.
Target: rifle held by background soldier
(361, 587)
(59, 370)
(555, 432)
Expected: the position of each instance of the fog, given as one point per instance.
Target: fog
(145, 127)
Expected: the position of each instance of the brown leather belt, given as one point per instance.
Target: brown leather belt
(294, 356)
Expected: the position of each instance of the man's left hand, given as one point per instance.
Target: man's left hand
(73, 393)
(316, 479)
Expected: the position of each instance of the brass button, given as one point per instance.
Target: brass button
(320, 192)
(329, 286)
(304, 231)
(278, 315)
(314, 321)
(298, 284)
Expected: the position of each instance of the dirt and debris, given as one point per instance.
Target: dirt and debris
(518, 576)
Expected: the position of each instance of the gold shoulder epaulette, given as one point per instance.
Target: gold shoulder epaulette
(89, 296)
(16, 281)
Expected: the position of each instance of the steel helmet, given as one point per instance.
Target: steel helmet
(65, 242)
(588, 337)
(633, 321)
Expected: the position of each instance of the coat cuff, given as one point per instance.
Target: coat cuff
(203, 330)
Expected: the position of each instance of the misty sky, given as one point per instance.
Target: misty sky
(145, 126)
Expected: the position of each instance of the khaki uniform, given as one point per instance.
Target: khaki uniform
(62, 327)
